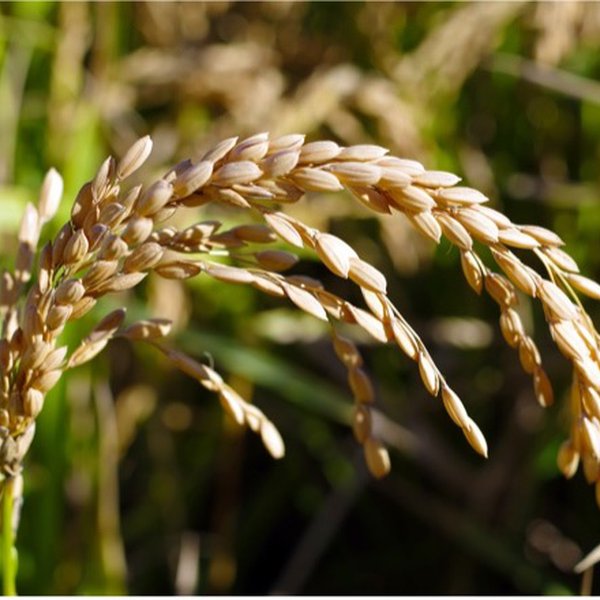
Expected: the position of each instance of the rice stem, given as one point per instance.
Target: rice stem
(9, 563)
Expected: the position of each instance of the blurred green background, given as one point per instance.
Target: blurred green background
(136, 482)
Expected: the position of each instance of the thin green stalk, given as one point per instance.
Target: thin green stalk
(9, 564)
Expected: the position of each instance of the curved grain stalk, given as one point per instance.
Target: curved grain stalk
(113, 241)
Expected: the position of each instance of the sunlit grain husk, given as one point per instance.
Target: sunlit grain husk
(135, 157)
(377, 458)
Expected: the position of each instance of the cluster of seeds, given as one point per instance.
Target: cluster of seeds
(114, 239)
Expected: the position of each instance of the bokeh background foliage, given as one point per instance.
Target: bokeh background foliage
(136, 482)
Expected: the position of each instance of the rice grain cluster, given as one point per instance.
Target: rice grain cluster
(114, 239)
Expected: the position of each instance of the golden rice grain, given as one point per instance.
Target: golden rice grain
(366, 275)
(272, 439)
(361, 424)
(360, 383)
(427, 224)
(478, 225)
(428, 373)
(475, 437)
(305, 301)
(567, 459)
(276, 260)
(316, 180)
(50, 195)
(454, 407)
(377, 458)
(134, 158)
(584, 285)
(318, 152)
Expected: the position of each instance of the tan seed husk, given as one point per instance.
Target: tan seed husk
(82, 205)
(478, 225)
(543, 388)
(404, 338)
(392, 178)
(437, 179)
(120, 282)
(33, 402)
(276, 260)
(272, 439)
(50, 195)
(135, 157)
(178, 269)
(556, 300)
(542, 235)
(46, 381)
(76, 248)
(242, 171)
(58, 316)
(99, 271)
(346, 351)
(232, 406)
(101, 181)
(366, 275)
(305, 301)
(461, 196)
(280, 163)
(284, 229)
(429, 374)
(335, 253)
(355, 173)
(406, 165)
(82, 307)
(253, 148)
(472, 271)
(316, 180)
(229, 274)
(377, 458)
(529, 355)
(454, 407)
(361, 386)
(318, 152)
(138, 230)
(511, 236)
(567, 459)
(561, 259)
(55, 358)
(292, 141)
(112, 248)
(522, 276)
(475, 438)
(268, 286)
(154, 198)
(361, 424)
(220, 150)
(192, 179)
(69, 292)
(511, 327)
(455, 232)
(144, 257)
(256, 233)
(411, 198)
(149, 329)
(374, 301)
(500, 289)
(362, 153)
(426, 224)
(584, 285)
(371, 198)
(367, 321)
